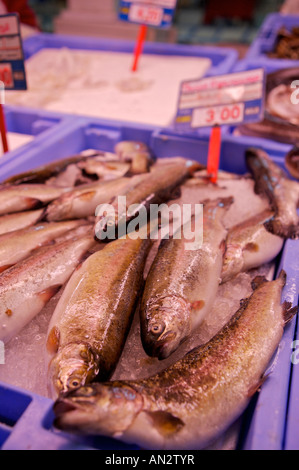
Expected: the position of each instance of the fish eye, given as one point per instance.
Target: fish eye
(74, 383)
(158, 328)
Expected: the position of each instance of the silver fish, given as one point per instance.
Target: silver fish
(27, 287)
(83, 201)
(24, 197)
(249, 245)
(19, 220)
(191, 403)
(182, 284)
(91, 321)
(16, 246)
(282, 193)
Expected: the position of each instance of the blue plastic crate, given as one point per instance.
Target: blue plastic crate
(275, 148)
(31, 122)
(26, 419)
(223, 59)
(266, 39)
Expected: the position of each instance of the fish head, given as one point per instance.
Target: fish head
(167, 324)
(99, 408)
(74, 366)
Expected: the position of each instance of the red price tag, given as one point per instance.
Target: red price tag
(210, 116)
(6, 76)
(146, 14)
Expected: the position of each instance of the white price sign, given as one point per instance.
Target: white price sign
(146, 14)
(221, 115)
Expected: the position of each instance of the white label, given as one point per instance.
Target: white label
(221, 115)
(146, 14)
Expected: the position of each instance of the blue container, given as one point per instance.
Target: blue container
(265, 40)
(26, 420)
(36, 123)
(275, 148)
(223, 59)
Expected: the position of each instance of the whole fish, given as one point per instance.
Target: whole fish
(281, 115)
(19, 220)
(43, 173)
(282, 193)
(153, 188)
(292, 162)
(27, 287)
(105, 170)
(191, 403)
(249, 245)
(83, 201)
(16, 246)
(91, 321)
(182, 284)
(24, 197)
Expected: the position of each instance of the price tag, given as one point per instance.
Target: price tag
(156, 13)
(223, 100)
(12, 68)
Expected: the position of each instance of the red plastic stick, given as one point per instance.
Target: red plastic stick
(3, 130)
(139, 46)
(214, 154)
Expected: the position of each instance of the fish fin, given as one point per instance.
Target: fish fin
(252, 247)
(4, 268)
(197, 305)
(86, 197)
(256, 388)
(283, 276)
(222, 247)
(31, 203)
(47, 294)
(288, 311)
(258, 281)
(165, 423)
(195, 166)
(53, 341)
(275, 227)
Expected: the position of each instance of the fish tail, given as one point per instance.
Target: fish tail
(289, 312)
(258, 281)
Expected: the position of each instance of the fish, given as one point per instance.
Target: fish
(26, 197)
(28, 286)
(92, 319)
(182, 284)
(19, 220)
(250, 245)
(188, 405)
(43, 173)
(82, 201)
(138, 154)
(272, 182)
(292, 162)
(18, 245)
(105, 170)
(281, 115)
(153, 188)
(286, 44)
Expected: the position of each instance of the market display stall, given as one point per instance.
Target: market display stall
(98, 132)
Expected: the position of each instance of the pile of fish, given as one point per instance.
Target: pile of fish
(51, 240)
(281, 118)
(287, 44)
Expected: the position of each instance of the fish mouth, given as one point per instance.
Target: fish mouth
(63, 406)
(164, 347)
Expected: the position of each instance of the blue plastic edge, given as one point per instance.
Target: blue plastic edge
(266, 37)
